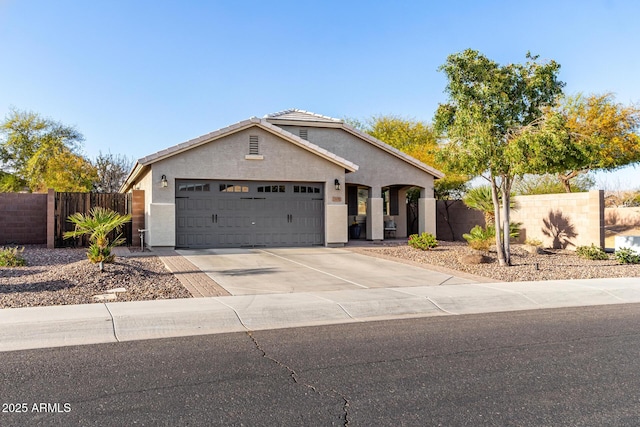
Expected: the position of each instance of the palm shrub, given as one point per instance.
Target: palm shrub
(97, 225)
(481, 199)
(480, 238)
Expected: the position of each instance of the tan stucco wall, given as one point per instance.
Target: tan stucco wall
(224, 159)
(377, 168)
(427, 215)
(335, 224)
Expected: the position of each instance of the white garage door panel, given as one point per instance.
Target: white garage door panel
(236, 214)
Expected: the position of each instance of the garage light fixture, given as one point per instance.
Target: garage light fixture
(336, 182)
(164, 181)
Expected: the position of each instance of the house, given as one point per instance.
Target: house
(292, 178)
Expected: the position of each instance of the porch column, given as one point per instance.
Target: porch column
(375, 214)
(426, 212)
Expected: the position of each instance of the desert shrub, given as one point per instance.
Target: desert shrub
(424, 241)
(592, 252)
(533, 242)
(627, 256)
(11, 257)
(480, 238)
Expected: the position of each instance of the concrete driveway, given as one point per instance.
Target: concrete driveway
(286, 270)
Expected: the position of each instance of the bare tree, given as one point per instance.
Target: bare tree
(112, 172)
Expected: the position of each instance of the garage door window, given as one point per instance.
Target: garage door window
(304, 189)
(271, 189)
(231, 188)
(194, 187)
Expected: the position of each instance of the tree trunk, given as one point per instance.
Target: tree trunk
(496, 207)
(566, 180)
(506, 200)
(446, 210)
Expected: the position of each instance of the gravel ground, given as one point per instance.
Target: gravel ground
(555, 264)
(64, 276)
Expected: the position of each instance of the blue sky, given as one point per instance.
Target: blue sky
(139, 76)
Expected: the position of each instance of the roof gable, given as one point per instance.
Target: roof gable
(146, 161)
(245, 124)
(297, 117)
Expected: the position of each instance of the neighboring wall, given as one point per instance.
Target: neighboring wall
(565, 220)
(461, 219)
(622, 219)
(23, 219)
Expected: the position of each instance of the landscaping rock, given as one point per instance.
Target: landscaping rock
(533, 249)
(65, 276)
(474, 258)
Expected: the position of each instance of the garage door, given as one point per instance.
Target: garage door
(222, 214)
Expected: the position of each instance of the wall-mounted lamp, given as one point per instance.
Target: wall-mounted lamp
(336, 182)
(164, 181)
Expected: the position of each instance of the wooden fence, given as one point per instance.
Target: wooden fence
(67, 204)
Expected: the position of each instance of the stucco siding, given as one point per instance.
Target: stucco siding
(377, 168)
(228, 158)
(224, 159)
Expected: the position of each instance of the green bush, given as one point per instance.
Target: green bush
(424, 241)
(627, 256)
(11, 257)
(592, 252)
(480, 238)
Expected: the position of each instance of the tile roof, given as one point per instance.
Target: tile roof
(301, 115)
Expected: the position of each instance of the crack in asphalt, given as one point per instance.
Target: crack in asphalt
(295, 378)
(479, 350)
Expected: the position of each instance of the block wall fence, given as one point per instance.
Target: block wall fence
(23, 219)
(29, 219)
(559, 220)
(565, 220)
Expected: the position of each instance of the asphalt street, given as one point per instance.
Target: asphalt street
(568, 366)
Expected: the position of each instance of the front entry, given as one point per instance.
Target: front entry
(231, 214)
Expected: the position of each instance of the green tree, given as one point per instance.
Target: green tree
(493, 112)
(419, 140)
(98, 224)
(596, 133)
(41, 153)
(550, 184)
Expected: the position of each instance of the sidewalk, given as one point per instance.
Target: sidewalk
(25, 328)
